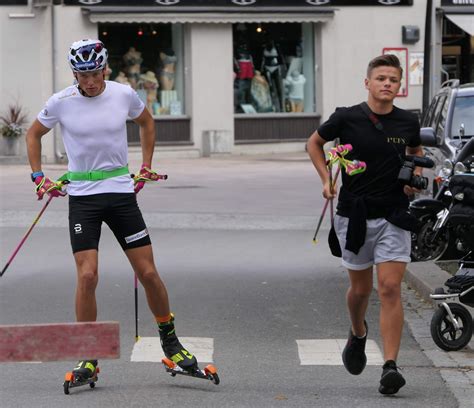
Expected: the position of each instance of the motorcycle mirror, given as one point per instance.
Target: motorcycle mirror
(462, 131)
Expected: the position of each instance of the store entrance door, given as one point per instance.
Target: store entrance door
(458, 47)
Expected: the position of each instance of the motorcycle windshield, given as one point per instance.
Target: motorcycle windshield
(463, 117)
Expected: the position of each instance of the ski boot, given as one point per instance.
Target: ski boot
(84, 373)
(178, 360)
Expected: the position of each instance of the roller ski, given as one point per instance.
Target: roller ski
(209, 372)
(180, 361)
(85, 373)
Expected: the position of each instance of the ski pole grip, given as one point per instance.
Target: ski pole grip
(158, 176)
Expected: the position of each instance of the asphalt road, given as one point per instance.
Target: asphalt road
(232, 240)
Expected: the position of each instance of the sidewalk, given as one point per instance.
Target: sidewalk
(456, 367)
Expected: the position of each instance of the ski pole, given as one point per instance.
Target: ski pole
(137, 337)
(333, 184)
(331, 200)
(26, 235)
(29, 231)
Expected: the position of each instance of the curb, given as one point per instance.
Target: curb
(425, 277)
(9, 160)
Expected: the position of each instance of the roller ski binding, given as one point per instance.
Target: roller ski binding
(209, 372)
(84, 373)
(180, 361)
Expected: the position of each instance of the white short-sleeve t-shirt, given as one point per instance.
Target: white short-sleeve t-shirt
(94, 133)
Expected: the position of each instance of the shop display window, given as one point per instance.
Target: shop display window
(273, 68)
(149, 58)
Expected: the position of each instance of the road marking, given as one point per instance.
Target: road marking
(328, 352)
(149, 348)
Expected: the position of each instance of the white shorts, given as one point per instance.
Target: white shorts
(384, 242)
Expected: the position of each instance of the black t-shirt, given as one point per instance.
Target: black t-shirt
(382, 151)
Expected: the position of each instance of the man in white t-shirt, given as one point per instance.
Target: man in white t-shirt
(92, 116)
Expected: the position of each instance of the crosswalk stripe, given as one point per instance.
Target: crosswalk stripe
(328, 352)
(149, 349)
(310, 351)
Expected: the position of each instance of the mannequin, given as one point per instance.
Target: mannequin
(168, 68)
(108, 72)
(133, 60)
(244, 63)
(295, 83)
(150, 85)
(272, 68)
(245, 72)
(296, 62)
(122, 78)
(260, 92)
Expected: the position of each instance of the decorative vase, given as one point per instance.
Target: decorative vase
(10, 146)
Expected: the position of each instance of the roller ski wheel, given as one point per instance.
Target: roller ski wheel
(72, 380)
(209, 372)
(446, 336)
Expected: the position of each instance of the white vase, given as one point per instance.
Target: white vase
(9, 146)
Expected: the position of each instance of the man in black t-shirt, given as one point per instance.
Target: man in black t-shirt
(369, 206)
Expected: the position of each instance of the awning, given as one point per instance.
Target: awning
(463, 21)
(105, 14)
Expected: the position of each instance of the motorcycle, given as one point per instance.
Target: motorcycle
(435, 238)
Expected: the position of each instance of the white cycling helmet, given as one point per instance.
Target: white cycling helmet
(87, 56)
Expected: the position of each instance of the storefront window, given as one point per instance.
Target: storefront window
(273, 68)
(149, 58)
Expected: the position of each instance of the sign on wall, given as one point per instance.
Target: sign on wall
(415, 68)
(240, 3)
(448, 3)
(402, 55)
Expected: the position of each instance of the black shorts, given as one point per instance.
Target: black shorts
(118, 210)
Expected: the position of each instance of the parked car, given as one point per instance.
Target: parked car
(449, 121)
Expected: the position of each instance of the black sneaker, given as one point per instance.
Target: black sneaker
(173, 349)
(353, 355)
(85, 369)
(391, 380)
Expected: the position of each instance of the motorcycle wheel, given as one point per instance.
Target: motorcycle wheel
(443, 332)
(422, 246)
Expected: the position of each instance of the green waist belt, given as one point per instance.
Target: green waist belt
(94, 175)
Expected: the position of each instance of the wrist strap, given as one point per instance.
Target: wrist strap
(36, 174)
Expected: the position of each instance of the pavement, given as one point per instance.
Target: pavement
(242, 194)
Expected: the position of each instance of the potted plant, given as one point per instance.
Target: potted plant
(11, 128)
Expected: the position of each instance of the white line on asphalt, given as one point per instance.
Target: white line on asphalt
(328, 352)
(149, 348)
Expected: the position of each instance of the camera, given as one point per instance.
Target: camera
(406, 176)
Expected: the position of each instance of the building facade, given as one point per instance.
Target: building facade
(219, 76)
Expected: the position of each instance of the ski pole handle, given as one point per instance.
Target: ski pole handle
(158, 176)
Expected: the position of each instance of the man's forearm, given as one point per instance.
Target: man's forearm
(147, 137)
(316, 153)
(34, 152)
